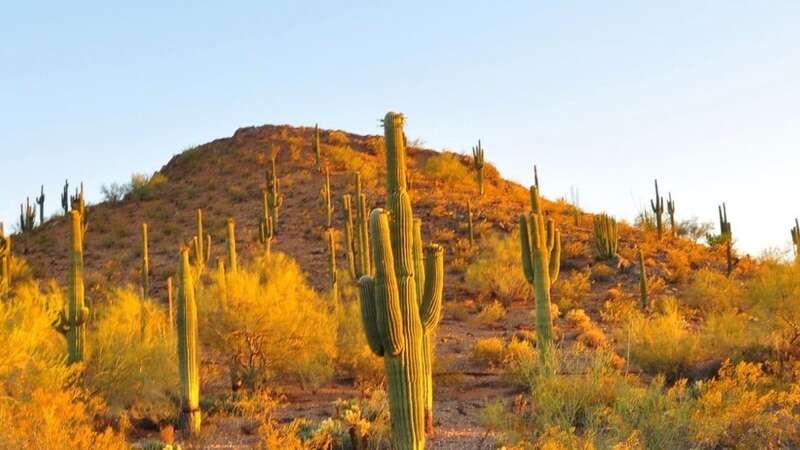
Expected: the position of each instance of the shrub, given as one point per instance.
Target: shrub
(143, 187)
(602, 272)
(488, 351)
(447, 168)
(570, 291)
(712, 291)
(114, 192)
(490, 314)
(265, 321)
(354, 357)
(352, 161)
(497, 272)
(135, 374)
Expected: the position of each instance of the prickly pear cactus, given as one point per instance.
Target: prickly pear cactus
(395, 319)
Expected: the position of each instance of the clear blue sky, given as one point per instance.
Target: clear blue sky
(605, 96)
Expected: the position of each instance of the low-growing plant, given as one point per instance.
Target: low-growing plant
(490, 314)
(488, 351)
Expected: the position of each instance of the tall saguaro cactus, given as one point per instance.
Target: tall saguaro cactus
(540, 242)
(726, 235)
(326, 196)
(170, 305)
(73, 323)
(796, 238)
(657, 205)
(145, 270)
(27, 216)
(478, 163)
(274, 196)
(65, 198)
(671, 211)
(605, 235)
(188, 358)
(349, 241)
(40, 202)
(315, 147)
(233, 264)
(363, 250)
(395, 319)
(334, 279)
(201, 244)
(265, 228)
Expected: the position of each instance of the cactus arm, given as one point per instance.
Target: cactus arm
(555, 257)
(387, 293)
(536, 201)
(369, 315)
(419, 265)
(431, 307)
(525, 246)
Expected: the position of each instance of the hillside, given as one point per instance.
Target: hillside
(226, 177)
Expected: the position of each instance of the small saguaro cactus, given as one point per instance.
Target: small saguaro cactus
(233, 264)
(540, 242)
(395, 320)
(188, 358)
(657, 205)
(65, 204)
(363, 250)
(27, 216)
(326, 196)
(274, 196)
(643, 298)
(40, 202)
(201, 244)
(796, 238)
(145, 270)
(330, 235)
(349, 242)
(605, 235)
(265, 229)
(671, 211)
(470, 224)
(315, 147)
(5, 260)
(726, 235)
(73, 322)
(478, 163)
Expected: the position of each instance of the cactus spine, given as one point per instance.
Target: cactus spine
(478, 163)
(325, 194)
(796, 238)
(188, 358)
(671, 211)
(74, 322)
(65, 197)
(540, 242)
(657, 205)
(470, 224)
(145, 271)
(265, 229)
(643, 299)
(201, 244)
(726, 235)
(231, 241)
(605, 236)
(315, 147)
(394, 319)
(27, 216)
(334, 279)
(40, 202)
(274, 196)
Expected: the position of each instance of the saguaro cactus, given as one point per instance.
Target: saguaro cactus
(5, 260)
(363, 250)
(201, 244)
(315, 147)
(326, 195)
(274, 196)
(188, 358)
(796, 238)
(536, 176)
(145, 270)
(78, 204)
(726, 235)
(65, 198)
(540, 242)
(349, 241)
(657, 205)
(470, 224)
(478, 163)
(643, 298)
(73, 323)
(605, 235)
(334, 279)
(170, 304)
(671, 211)
(265, 228)
(233, 264)
(27, 216)
(394, 318)
(40, 202)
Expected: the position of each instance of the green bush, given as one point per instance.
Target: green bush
(497, 272)
(143, 187)
(572, 290)
(135, 374)
(711, 291)
(265, 323)
(447, 168)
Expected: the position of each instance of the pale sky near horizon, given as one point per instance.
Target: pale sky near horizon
(604, 96)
